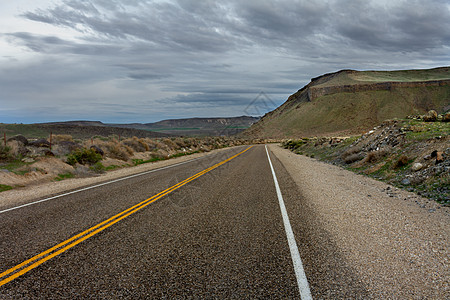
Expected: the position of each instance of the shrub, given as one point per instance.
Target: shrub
(151, 144)
(170, 143)
(4, 187)
(17, 149)
(353, 158)
(98, 167)
(5, 153)
(350, 151)
(83, 156)
(180, 143)
(374, 156)
(116, 150)
(136, 144)
(293, 144)
(401, 161)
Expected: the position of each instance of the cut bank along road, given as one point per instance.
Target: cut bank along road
(219, 235)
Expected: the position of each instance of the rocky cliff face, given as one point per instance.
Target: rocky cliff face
(315, 88)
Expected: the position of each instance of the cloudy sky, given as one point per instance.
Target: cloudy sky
(146, 60)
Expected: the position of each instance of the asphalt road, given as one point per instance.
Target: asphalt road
(220, 235)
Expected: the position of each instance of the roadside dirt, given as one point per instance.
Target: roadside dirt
(395, 240)
(44, 169)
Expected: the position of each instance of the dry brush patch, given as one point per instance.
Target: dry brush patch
(100, 154)
(137, 144)
(352, 154)
(375, 156)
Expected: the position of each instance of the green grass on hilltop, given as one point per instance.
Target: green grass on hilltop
(367, 77)
(403, 76)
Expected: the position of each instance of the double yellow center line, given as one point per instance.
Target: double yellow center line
(39, 259)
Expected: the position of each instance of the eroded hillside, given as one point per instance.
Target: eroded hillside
(350, 102)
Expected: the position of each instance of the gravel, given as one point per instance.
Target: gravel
(396, 241)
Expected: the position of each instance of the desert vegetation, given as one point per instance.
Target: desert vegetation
(412, 154)
(67, 157)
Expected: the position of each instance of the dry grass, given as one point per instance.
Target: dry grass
(400, 162)
(374, 156)
(62, 138)
(113, 149)
(15, 149)
(5, 153)
(353, 158)
(169, 143)
(352, 155)
(137, 144)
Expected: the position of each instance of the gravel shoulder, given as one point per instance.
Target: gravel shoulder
(397, 242)
(27, 193)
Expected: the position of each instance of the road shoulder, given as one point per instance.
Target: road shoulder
(395, 240)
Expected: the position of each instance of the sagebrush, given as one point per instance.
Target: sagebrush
(83, 156)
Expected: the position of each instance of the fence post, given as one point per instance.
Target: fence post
(50, 140)
(4, 136)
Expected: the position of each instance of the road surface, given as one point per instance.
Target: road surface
(208, 228)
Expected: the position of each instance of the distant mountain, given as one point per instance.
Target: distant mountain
(196, 126)
(351, 101)
(80, 130)
(76, 123)
(173, 127)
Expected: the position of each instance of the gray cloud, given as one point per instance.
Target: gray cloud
(411, 26)
(184, 58)
(296, 27)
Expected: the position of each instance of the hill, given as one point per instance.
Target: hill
(196, 126)
(165, 128)
(350, 102)
(77, 129)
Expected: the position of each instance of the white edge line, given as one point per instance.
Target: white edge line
(98, 185)
(302, 282)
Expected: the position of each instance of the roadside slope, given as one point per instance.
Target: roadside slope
(395, 240)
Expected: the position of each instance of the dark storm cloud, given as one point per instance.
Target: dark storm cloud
(217, 53)
(163, 24)
(295, 26)
(407, 26)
